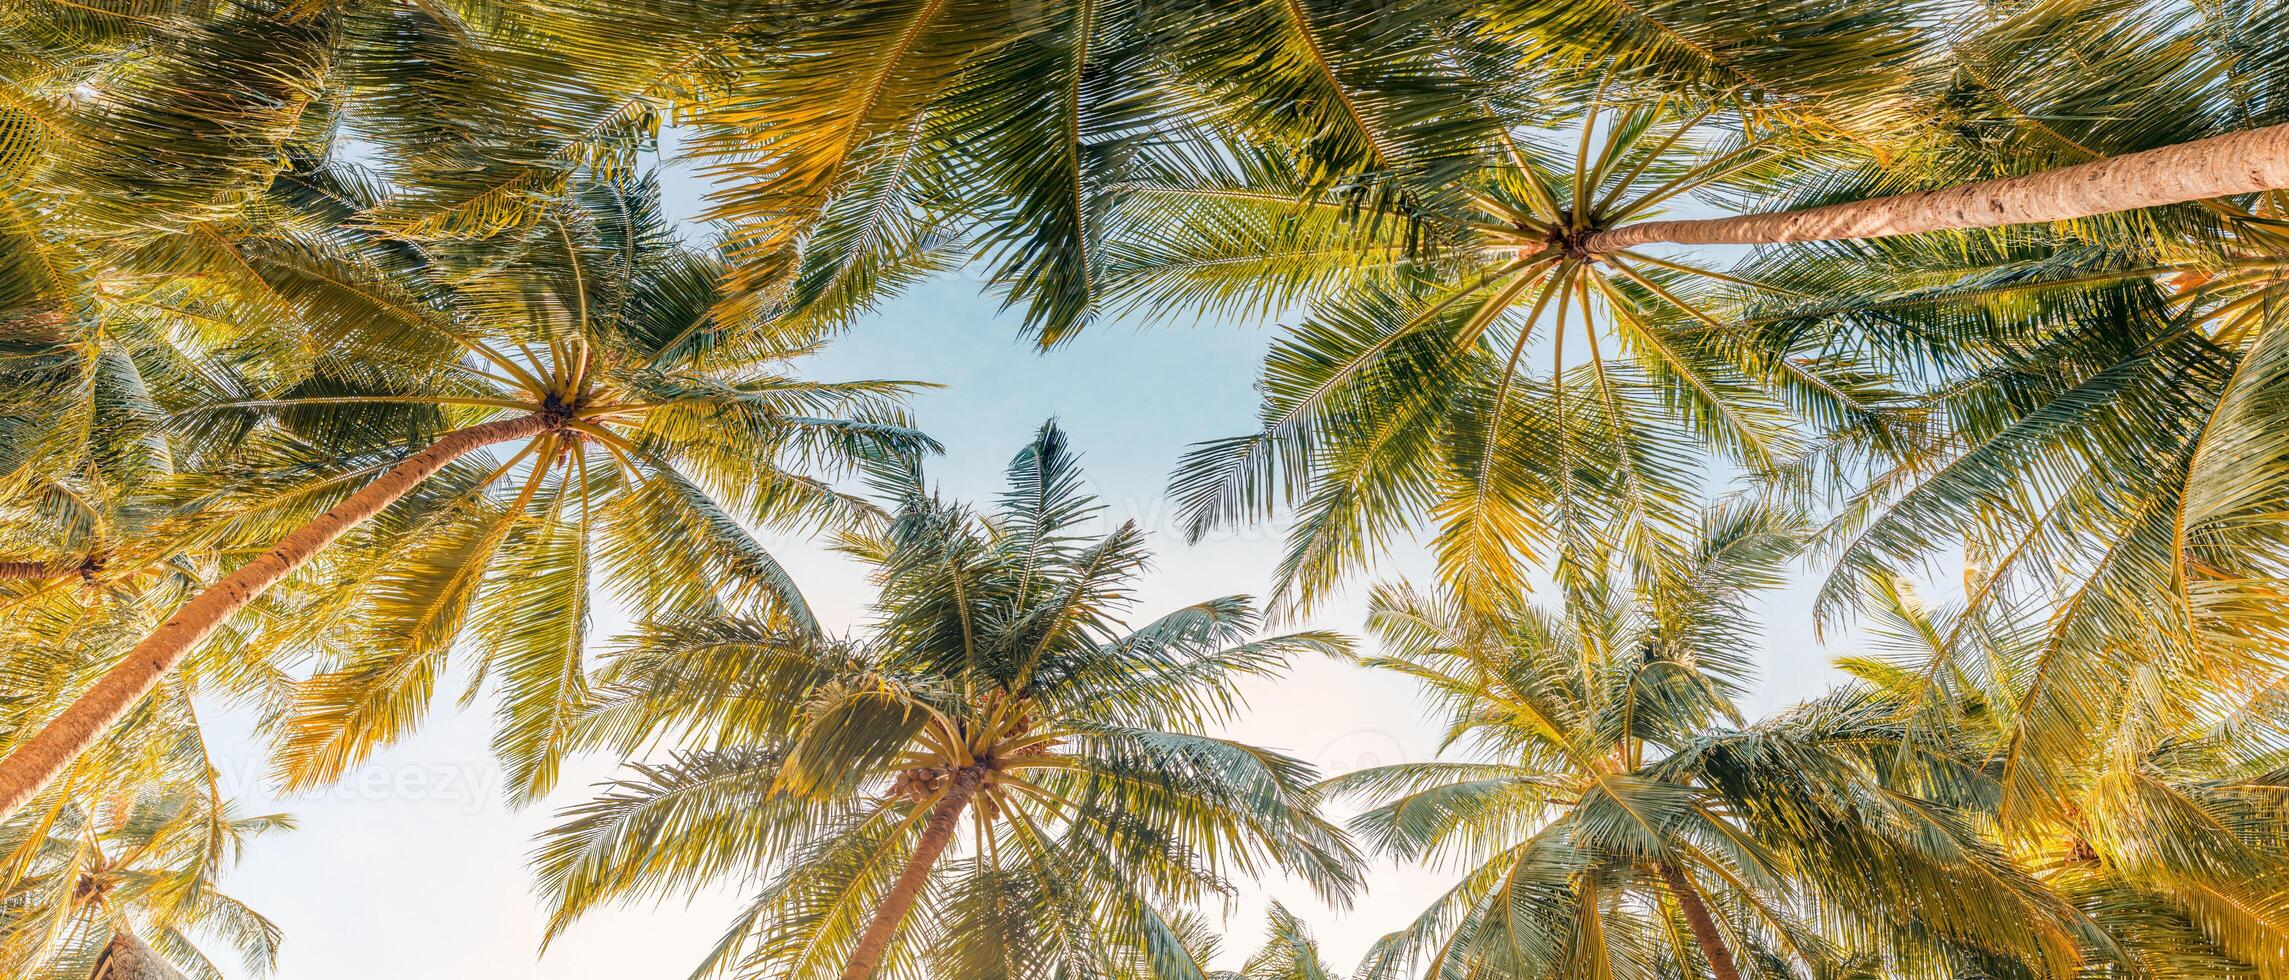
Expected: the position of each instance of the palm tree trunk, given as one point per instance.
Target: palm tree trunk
(2237, 163)
(22, 570)
(866, 957)
(34, 763)
(129, 958)
(1705, 932)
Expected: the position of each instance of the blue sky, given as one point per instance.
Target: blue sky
(412, 866)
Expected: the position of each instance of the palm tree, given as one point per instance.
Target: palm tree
(1465, 366)
(116, 885)
(998, 779)
(2174, 848)
(2043, 393)
(1013, 132)
(645, 428)
(1289, 953)
(84, 483)
(241, 261)
(1619, 820)
(1005, 131)
(1438, 248)
(2101, 434)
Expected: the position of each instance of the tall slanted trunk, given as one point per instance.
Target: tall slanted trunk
(38, 760)
(129, 958)
(22, 570)
(1705, 932)
(2237, 163)
(945, 818)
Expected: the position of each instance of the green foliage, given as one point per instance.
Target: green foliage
(1615, 771)
(194, 394)
(999, 651)
(1410, 395)
(253, 253)
(2172, 848)
(138, 852)
(681, 432)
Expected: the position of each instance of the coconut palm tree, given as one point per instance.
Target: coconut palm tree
(355, 370)
(2175, 846)
(240, 261)
(228, 99)
(1619, 819)
(88, 468)
(1014, 131)
(127, 845)
(90, 379)
(1435, 275)
(1289, 952)
(119, 884)
(2100, 431)
(998, 778)
(2041, 392)
(1467, 367)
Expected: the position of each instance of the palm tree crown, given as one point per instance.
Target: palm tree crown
(999, 780)
(344, 372)
(128, 878)
(282, 430)
(1624, 822)
(2175, 847)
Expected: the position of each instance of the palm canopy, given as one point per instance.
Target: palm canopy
(2082, 403)
(1002, 133)
(859, 147)
(972, 128)
(1441, 272)
(2174, 847)
(86, 448)
(310, 356)
(1435, 271)
(87, 387)
(1618, 819)
(666, 434)
(997, 752)
(1384, 165)
(2104, 449)
(1431, 380)
(128, 872)
(2098, 393)
(84, 487)
(856, 145)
